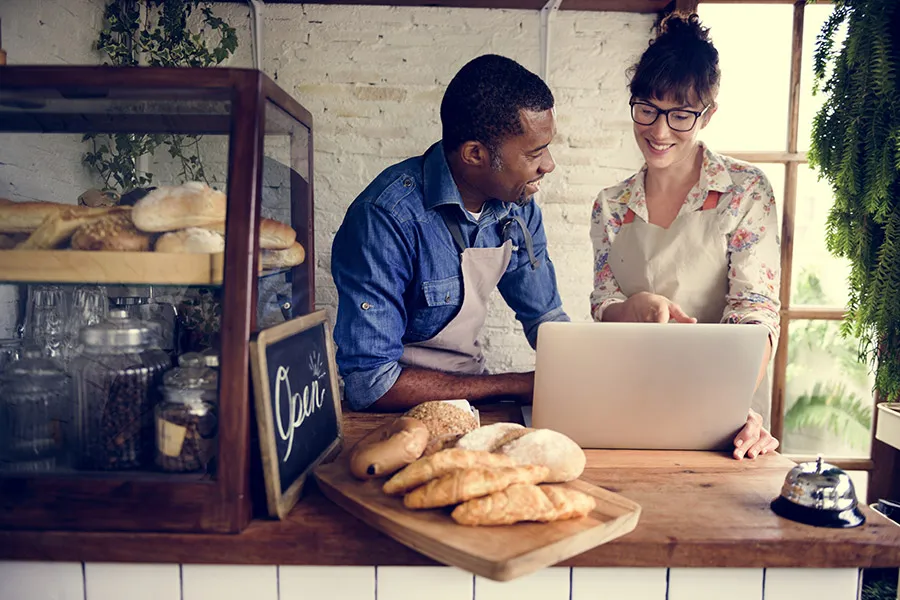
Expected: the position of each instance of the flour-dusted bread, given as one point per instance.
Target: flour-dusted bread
(559, 453)
(114, 233)
(169, 208)
(465, 484)
(429, 467)
(26, 217)
(491, 437)
(524, 502)
(58, 228)
(273, 235)
(192, 240)
(282, 259)
(443, 418)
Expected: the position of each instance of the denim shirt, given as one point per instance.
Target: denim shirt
(398, 273)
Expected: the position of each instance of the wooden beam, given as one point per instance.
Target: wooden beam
(821, 313)
(768, 157)
(686, 5)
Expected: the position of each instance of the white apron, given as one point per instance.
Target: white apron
(455, 348)
(687, 263)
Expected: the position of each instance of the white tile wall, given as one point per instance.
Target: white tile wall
(229, 582)
(716, 584)
(125, 581)
(788, 584)
(547, 584)
(418, 583)
(333, 583)
(41, 581)
(590, 583)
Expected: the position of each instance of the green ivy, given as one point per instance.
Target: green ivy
(856, 148)
(159, 36)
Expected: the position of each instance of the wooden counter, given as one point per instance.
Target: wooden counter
(699, 509)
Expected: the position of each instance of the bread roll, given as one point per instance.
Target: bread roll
(466, 484)
(429, 467)
(525, 502)
(273, 235)
(560, 454)
(58, 228)
(166, 208)
(443, 418)
(25, 217)
(114, 233)
(281, 259)
(192, 240)
(489, 437)
(388, 448)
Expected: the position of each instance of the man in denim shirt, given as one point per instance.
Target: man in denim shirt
(424, 245)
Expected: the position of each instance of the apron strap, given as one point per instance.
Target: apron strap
(453, 225)
(529, 243)
(712, 200)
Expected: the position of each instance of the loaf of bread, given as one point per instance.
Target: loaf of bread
(115, 233)
(443, 418)
(427, 468)
(491, 437)
(559, 453)
(459, 486)
(273, 235)
(169, 208)
(58, 228)
(26, 217)
(524, 502)
(442, 442)
(388, 448)
(282, 259)
(192, 240)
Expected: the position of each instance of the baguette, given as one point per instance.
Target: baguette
(524, 502)
(114, 233)
(429, 467)
(25, 217)
(168, 208)
(58, 228)
(280, 259)
(466, 484)
(273, 235)
(192, 240)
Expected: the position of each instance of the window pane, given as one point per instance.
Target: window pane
(753, 96)
(814, 16)
(828, 393)
(818, 277)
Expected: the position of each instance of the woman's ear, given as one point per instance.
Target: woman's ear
(474, 154)
(708, 116)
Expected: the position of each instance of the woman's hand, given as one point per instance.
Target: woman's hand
(645, 307)
(753, 439)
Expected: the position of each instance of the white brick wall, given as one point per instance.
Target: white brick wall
(373, 78)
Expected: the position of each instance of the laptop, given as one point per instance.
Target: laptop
(646, 385)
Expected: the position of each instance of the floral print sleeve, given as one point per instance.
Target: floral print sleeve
(754, 250)
(606, 220)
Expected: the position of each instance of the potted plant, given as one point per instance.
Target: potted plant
(856, 148)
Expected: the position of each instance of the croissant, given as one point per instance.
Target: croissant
(461, 485)
(524, 502)
(440, 463)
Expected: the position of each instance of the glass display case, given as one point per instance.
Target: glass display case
(151, 220)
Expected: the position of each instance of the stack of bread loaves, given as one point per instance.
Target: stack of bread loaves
(188, 218)
(490, 474)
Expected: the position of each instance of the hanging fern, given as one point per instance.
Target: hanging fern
(856, 148)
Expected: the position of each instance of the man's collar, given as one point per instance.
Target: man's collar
(440, 187)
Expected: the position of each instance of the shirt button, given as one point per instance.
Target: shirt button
(407, 182)
(365, 306)
(447, 298)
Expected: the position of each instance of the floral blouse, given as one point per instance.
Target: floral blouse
(747, 208)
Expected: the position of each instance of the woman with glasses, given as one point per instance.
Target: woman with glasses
(693, 236)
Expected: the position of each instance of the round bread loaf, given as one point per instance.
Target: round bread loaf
(113, 232)
(490, 437)
(168, 208)
(192, 240)
(280, 259)
(443, 418)
(558, 452)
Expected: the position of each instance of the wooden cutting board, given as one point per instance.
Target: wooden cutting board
(498, 553)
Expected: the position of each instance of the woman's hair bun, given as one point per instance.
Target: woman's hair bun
(683, 25)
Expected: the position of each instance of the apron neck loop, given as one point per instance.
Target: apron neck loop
(452, 224)
(529, 243)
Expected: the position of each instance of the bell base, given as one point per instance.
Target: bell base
(839, 519)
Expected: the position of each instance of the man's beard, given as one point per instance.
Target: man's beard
(524, 199)
(497, 166)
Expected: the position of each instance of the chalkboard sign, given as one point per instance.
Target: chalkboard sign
(298, 407)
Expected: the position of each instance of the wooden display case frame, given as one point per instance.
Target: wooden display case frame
(149, 501)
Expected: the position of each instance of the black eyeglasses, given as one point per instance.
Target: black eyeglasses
(680, 119)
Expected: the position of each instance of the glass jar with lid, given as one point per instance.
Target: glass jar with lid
(186, 419)
(36, 414)
(117, 379)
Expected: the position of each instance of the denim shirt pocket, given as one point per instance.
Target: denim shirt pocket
(440, 301)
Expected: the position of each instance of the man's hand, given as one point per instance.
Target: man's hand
(645, 307)
(753, 439)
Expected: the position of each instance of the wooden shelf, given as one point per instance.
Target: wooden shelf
(74, 266)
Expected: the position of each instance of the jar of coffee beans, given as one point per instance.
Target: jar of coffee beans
(117, 380)
(186, 420)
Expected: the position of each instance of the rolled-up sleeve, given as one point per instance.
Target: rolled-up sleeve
(372, 266)
(532, 293)
(606, 289)
(754, 249)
